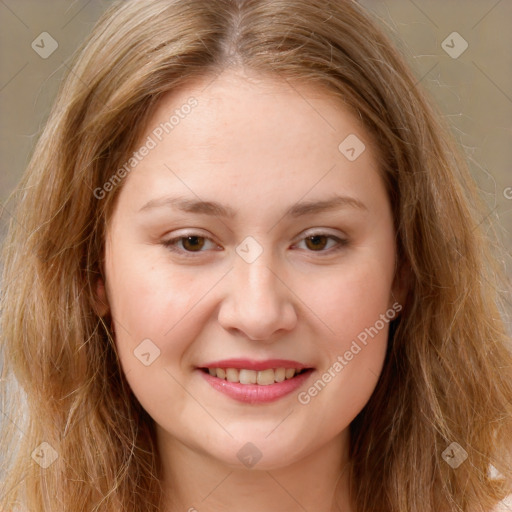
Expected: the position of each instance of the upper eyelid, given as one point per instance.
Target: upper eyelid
(304, 234)
(341, 239)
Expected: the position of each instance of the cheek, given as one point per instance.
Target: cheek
(354, 307)
(156, 317)
(151, 301)
(146, 291)
(350, 298)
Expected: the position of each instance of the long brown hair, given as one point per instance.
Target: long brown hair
(447, 377)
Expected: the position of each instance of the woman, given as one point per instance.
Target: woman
(254, 276)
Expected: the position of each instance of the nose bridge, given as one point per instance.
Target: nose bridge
(256, 283)
(258, 304)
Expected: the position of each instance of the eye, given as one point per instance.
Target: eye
(317, 242)
(191, 243)
(194, 243)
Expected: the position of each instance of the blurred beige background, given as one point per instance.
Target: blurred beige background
(474, 89)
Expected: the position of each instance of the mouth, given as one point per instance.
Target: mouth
(255, 382)
(247, 376)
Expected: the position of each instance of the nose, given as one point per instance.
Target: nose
(258, 303)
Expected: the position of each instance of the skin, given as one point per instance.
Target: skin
(257, 145)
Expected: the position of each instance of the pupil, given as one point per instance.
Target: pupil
(317, 238)
(316, 241)
(194, 242)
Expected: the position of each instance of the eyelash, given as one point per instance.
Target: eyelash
(170, 244)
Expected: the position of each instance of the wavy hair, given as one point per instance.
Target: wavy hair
(447, 376)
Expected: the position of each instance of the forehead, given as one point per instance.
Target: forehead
(261, 138)
(251, 107)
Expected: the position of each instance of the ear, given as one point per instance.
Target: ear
(401, 285)
(101, 305)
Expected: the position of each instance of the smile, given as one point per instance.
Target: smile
(262, 377)
(255, 386)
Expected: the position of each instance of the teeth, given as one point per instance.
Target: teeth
(266, 377)
(289, 373)
(279, 374)
(263, 377)
(248, 377)
(232, 375)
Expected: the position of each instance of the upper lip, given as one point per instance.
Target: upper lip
(251, 364)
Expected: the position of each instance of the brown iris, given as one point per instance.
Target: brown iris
(192, 243)
(318, 241)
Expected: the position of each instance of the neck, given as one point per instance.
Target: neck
(196, 482)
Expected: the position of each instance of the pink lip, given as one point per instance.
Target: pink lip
(249, 364)
(255, 393)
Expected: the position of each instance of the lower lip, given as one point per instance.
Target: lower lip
(255, 393)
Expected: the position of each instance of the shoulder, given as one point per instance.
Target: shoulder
(505, 505)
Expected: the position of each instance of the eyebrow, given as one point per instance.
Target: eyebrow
(216, 209)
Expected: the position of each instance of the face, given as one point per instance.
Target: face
(256, 238)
